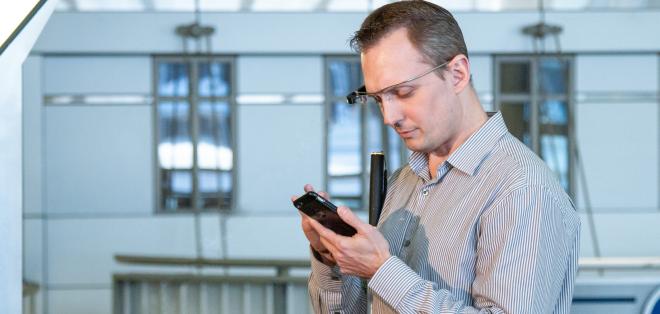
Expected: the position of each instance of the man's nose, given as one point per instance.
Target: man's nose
(392, 115)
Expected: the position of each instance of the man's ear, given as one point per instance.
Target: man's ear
(459, 72)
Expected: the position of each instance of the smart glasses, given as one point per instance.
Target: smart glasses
(360, 95)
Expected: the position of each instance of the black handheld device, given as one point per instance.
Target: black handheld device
(321, 210)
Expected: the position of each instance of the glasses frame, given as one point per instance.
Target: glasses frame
(361, 93)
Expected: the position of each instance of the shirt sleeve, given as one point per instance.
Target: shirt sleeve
(330, 292)
(525, 252)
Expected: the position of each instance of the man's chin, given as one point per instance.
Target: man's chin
(413, 145)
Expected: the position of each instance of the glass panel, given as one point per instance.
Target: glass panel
(174, 142)
(344, 140)
(214, 79)
(375, 128)
(553, 76)
(516, 116)
(554, 112)
(345, 186)
(394, 154)
(555, 152)
(176, 187)
(214, 149)
(173, 79)
(514, 77)
(352, 203)
(345, 77)
(215, 188)
(554, 143)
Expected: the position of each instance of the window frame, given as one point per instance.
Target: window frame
(535, 98)
(193, 99)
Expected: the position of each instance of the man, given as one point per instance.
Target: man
(475, 222)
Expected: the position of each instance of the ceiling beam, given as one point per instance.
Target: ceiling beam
(73, 6)
(149, 5)
(246, 5)
(322, 6)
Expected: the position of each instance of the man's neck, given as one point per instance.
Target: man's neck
(474, 118)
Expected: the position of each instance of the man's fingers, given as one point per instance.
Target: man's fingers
(308, 187)
(350, 218)
(323, 231)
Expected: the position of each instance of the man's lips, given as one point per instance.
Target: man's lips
(406, 133)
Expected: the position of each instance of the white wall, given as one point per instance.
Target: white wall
(90, 167)
(11, 154)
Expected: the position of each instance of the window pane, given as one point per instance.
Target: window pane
(173, 79)
(394, 154)
(554, 143)
(375, 128)
(516, 116)
(176, 187)
(213, 79)
(215, 188)
(345, 186)
(344, 140)
(554, 151)
(514, 77)
(554, 112)
(174, 142)
(214, 149)
(345, 77)
(352, 203)
(553, 76)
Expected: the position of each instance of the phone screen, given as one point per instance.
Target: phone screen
(321, 210)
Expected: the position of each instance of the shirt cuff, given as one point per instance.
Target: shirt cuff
(325, 277)
(393, 270)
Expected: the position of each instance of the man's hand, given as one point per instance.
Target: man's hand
(312, 235)
(361, 254)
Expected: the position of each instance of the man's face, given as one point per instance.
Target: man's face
(425, 112)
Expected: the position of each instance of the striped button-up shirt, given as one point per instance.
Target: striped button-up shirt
(494, 232)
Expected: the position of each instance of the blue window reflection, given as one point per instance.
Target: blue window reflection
(554, 151)
(173, 79)
(213, 79)
(553, 76)
(214, 136)
(554, 112)
(174, 141)
(344, 133)
(187, 183)
(345, 76)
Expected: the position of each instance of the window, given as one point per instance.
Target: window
(193, 110)
(353, 133)
(534, 95)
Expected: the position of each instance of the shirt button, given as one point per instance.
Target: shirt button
(425, 192)
(406, 243)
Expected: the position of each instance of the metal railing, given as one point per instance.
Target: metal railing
(268, 286)
(211, 286)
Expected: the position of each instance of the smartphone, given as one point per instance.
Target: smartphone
(321, 210)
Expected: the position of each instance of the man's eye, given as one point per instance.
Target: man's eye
(403, 92)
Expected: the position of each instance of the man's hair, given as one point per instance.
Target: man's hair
(431, 29)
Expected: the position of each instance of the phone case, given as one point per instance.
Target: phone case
(321, 210)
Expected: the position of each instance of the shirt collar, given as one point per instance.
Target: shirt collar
(470, 154)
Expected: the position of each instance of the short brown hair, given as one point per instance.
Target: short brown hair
(431, 29)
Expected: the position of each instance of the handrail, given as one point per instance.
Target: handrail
(584, 263)
(187, 261)
(189, 278)
(619, 263)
